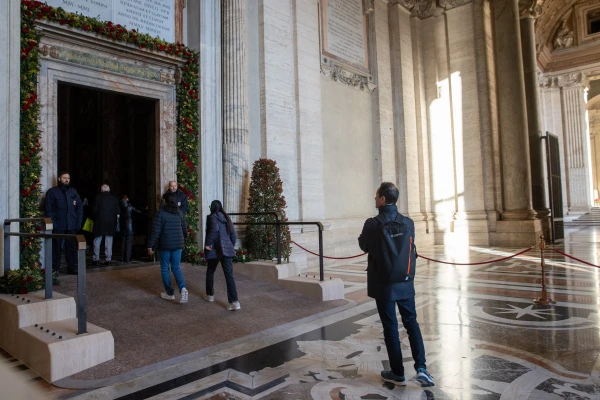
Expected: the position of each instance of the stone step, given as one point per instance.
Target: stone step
(54, 350)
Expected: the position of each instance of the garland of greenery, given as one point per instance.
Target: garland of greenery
(30, 148)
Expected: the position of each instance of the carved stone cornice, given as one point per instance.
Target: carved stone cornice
(427, 8)
(347, 78)
(530, 8)
(571, 80)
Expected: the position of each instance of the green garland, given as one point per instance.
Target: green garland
(30, 149)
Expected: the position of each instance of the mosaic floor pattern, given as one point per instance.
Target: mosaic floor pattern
(484, 338)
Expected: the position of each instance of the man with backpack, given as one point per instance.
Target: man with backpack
(389, 240)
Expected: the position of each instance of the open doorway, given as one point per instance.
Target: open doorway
(109, 137)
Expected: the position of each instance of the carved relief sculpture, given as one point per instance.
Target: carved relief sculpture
(564, 36)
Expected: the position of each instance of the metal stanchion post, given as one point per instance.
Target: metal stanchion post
(81, 295)
(543, 299)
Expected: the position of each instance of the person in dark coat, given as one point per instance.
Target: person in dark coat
(168, 236)
(64, 207)
(126, 220)
(390, 295)
(106, 212)
(182, 201)
(220, 239)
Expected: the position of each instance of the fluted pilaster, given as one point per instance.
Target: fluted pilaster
(512, 114)
(529, 11)
(235, 104)
(577, 143)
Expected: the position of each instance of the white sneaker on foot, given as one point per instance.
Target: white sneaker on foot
(184, 296)
(167, 297)
(234, 306)
(208, 297)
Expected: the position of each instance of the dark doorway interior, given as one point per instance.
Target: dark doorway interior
(108, 137)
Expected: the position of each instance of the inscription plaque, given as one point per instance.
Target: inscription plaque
(155, 17)
(344, 34)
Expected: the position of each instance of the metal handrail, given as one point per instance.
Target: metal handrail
(318, 224)
(48, 236)
(277, 229)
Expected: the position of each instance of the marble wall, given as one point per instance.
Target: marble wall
(10, 22)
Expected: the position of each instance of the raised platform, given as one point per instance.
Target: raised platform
(287, 276)
(43, 335)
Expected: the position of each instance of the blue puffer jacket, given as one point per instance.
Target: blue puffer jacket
(217, 236)
(168, 230)
(64, 207)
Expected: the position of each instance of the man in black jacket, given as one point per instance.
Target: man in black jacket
(182, 201)
(390, 295)
(105, 211)
(64, 207)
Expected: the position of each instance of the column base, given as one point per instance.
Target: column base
(521, 234)
(518, 215)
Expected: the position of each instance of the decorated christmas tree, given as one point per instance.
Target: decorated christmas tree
(266, 190)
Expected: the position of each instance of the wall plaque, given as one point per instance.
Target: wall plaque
(344, 34)
(155, 17)
(107, 64)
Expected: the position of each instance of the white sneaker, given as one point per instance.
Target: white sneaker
(167, 297)
(234, 306)
(184, 296)
(208, 297)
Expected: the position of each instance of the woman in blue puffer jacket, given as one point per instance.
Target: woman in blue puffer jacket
(220, 239)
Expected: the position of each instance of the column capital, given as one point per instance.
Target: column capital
(530, 8)
(571, 80)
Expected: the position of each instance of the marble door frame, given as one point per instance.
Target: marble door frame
(54, 71)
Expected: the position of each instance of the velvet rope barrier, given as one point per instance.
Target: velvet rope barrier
(575, 258)
(331, 258)
(426, 258)
(477, 263)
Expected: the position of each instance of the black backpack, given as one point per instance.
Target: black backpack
(396, 254)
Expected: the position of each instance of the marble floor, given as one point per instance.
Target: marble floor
(484, 338)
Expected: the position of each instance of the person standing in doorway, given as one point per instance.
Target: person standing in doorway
(105, 212)
(126, 220)
(168, 236)
(64, 207)
(220, 239)
(182, 201)
(389, 240)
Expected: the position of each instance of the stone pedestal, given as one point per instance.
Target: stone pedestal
(236, 178)
(10, 21)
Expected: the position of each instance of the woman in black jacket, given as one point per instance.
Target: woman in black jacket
(168, 236)
(126, 221)
(220, 239)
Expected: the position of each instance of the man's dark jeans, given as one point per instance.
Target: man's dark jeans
(228, 271)
(387, 314)
(70, 251)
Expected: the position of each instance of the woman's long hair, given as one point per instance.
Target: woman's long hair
(216, 207)
(171, 202)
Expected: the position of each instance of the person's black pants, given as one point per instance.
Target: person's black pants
(70, 251)
(126, 244)
(228, 271)
(387, 314)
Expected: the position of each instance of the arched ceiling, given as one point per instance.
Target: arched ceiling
(553, 12)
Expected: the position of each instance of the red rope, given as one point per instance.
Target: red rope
(575, 258)
(331, 258)
(477, 263)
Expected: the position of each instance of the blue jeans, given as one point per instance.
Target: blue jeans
(387, 314)
(173, 257)
(228, 271)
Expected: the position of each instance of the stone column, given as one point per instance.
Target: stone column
(512, 113)
(10, 21)
(204, 35)
(529, 10)
(235, 120)
(577, 143)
